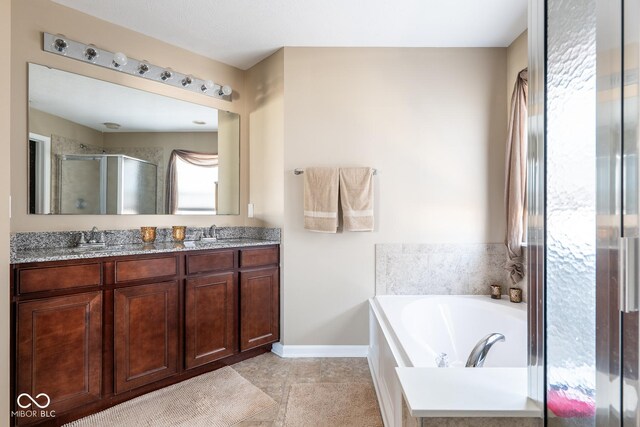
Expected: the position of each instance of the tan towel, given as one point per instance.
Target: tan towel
(321, 199)
(356, 196)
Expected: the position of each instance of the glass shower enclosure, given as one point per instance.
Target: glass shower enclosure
(584, 194)
(105, 184)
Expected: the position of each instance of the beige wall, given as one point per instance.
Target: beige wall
(206, 142)
(5, 161)
(46, 124)
(517, 59)
(265, 102)
(228, 169)
(433, 122)
(32, 17)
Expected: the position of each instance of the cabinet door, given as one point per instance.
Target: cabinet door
(210, 312)
(59, 349)
(259, 307)
(145, 334)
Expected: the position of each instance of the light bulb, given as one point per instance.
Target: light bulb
(119, 60)
(91, 53)
(207, 85)
(143, 68)
(60, 44)
(166, 74)
(225, 90)
(186, 81)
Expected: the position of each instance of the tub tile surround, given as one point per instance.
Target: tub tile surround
(56, 245)
(441, 269)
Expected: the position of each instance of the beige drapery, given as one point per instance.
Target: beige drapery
(198, 159)
(516, 179)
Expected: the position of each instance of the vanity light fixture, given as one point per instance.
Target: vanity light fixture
(207, 85)
(91, 53)
(166, 74)
(225, 90)
(143, 68)
(60, 45)
(187, 81)
(88, 53)
(119, 60)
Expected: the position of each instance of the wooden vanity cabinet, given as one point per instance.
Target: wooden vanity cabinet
(211, 316)
(59, 349)
(145, 334)
(259, 297)
(94, 333)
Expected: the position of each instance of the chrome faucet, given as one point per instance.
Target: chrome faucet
(479, 352)
(92, 236)
(213, 234)
(96, 239)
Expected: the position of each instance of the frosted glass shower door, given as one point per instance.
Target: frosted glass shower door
(571, 213)
(81, 188)
(138, 186)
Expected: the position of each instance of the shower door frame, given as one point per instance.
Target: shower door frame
(618, 112)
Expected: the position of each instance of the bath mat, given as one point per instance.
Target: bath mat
(332, 404)
(220, 398)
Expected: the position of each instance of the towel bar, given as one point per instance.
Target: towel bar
(301, 171)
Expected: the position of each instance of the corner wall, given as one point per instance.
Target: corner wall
(433, 122)
(265, 113)
(29, 19)
(517, 59)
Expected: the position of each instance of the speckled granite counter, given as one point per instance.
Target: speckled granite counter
(59, 246)
(60, 254)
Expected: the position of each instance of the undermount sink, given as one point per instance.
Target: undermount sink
(111, 248)
(219, 240)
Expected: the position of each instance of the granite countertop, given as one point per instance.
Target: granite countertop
(69, 253)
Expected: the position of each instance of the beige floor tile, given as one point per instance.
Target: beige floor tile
(275, 375)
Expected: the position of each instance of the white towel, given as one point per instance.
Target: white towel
(321, 199)
(356, 196)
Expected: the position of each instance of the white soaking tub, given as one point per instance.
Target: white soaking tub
(408, 333)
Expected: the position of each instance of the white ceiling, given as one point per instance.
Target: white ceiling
(242, 32)
(91, 102)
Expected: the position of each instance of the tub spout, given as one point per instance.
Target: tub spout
(479, 352)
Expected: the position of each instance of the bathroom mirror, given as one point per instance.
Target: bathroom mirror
(99, 148)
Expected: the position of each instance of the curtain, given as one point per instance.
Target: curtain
(198, 159)
(516, 179)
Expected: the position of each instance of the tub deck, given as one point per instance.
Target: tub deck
(465, 392)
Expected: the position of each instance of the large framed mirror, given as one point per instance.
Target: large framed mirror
(99, 148)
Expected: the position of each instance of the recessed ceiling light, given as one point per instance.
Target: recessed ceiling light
(199, 122)
(111, 125)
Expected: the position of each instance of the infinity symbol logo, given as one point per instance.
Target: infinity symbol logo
(34, 401)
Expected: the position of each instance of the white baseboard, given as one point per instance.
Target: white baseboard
(320, 350)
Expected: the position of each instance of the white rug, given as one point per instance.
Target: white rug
(220, 398)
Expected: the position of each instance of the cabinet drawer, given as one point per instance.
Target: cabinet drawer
(212, 261)
(259, 256)
(62, 277)
(148, 268)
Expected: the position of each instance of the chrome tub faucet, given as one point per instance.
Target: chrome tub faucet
(480, 351)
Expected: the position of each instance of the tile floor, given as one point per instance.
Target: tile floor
(275, 375)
